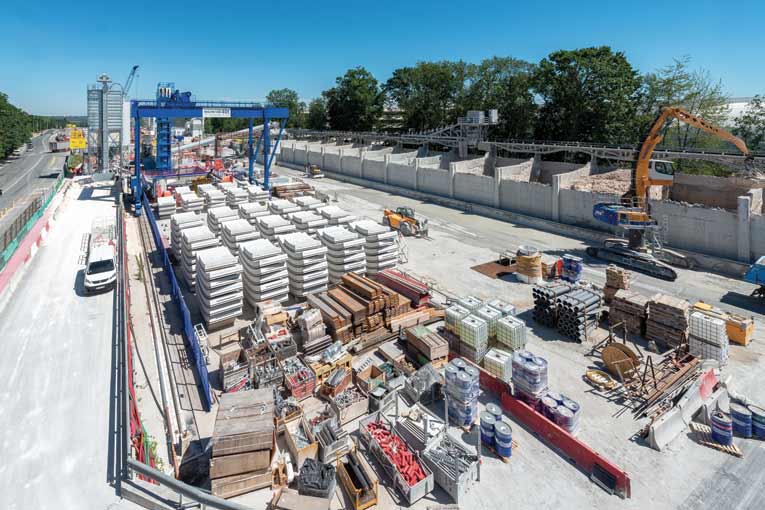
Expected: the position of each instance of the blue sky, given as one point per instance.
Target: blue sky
(51, 50)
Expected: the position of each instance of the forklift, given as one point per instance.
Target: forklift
(404, 220)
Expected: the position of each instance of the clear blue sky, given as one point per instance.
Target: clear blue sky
(51, 50)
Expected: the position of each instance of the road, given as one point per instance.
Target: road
(56, 359)
(35, 169)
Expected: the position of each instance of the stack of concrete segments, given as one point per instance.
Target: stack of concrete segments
(236, 196)
(238, 231)
(345, 252)
(336, 215)
(283, 207)
(181, 190)
(225, 186)
(205, 188)
(256, 193)
(308, 203)
(219, 287)
(165, 207)
(265, 271)
(192, 241)
(306, 262)
(217, 216)
(308, 221)
(274, 225)
(191, 202)
(380, 246)
(213, 197)
(178, 223)
(252, 211)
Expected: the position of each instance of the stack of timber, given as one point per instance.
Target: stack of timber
(617, 279)
(667, 322)
(630, 308)
(429, 344)
(242, 443)
(338, 320)
(416, 291)
(290, 190)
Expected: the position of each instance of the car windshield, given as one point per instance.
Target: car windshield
(100, 266)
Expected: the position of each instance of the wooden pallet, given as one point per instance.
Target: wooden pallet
(506, 460)
(703, 435)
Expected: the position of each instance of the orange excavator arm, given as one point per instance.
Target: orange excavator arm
(654, 138)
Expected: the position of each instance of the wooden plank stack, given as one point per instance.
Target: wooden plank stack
(242, 443)
(337, 319)
(667, 322)
(428, 343)
(293, 189)
(617, 279)
(630, 308)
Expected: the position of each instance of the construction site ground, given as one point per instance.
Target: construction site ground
(59, 370)
(686, 475)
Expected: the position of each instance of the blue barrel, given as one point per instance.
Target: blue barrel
(758, 421)
(459, 363)
(450, 373)
(555, 396)
(565, 418)
(548, 407)
(487, 428)
(495, 410)
(570, 404)
(742, 420)
(722, 429)
(503, 439)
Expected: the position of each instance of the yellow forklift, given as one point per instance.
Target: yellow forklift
(403, 220)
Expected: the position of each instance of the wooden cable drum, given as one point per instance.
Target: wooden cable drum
(528, 261)
(620, 363)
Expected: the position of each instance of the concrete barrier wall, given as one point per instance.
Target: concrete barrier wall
(478, 189)
(568, 178)
(518, 172)
(546, 169)
(352, 165)
(696, 228)
(287, 154)
(710, 190)
(757, 235)
(526, 198)
(332, 161)
(471, 166)
(431, 180)
(430, 162)
(300, 156)
(404, 157)
(575, 207)
(374, 169)
(402, 175)
(314, 156)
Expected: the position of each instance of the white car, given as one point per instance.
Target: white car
(101, 271)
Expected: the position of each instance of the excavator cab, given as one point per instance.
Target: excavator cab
(661, 172)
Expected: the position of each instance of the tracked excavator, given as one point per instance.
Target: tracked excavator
(642, 250)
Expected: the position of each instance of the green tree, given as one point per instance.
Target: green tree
(16, 126)
(750, 125)
(430, 94)
(317, 114)
(288, 98)
(589, 94)
(695, 91)
(504, 83)
(355, 102)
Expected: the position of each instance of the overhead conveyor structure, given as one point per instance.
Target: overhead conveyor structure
(183, 105)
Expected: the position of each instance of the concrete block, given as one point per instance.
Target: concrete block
(528, 198)
(478, 189)
(435, 181)
(402, 175)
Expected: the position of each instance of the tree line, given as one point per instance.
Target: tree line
(17, 126)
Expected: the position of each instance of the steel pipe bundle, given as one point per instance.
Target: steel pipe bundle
(578, 313)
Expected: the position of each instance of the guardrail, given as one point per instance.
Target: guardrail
(11, 238)
(200, 364)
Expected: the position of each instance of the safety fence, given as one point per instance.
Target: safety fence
(192, 342)
(14, 234)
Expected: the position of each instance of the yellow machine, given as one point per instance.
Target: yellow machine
(738, 327)
(633, 213)
(403, 220)
(313, 171)
(197, 181)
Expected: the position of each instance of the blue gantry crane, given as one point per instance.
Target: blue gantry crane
(170, 104)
